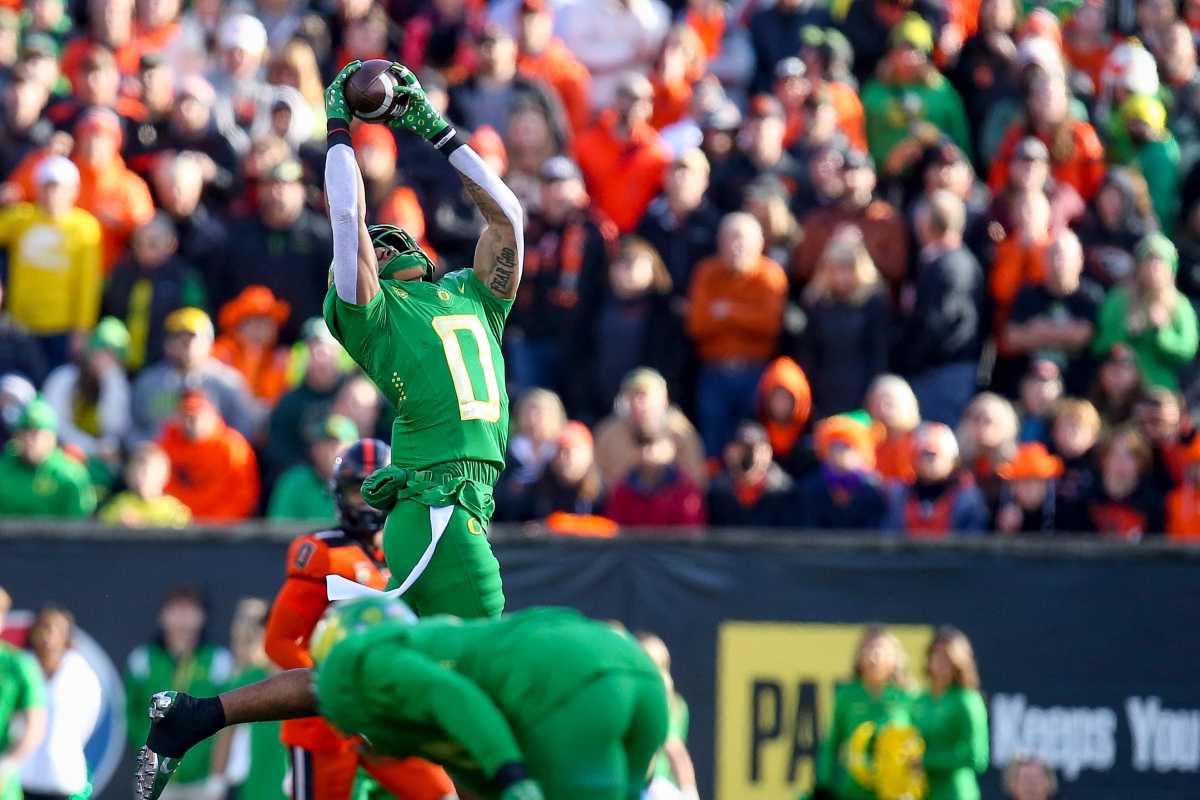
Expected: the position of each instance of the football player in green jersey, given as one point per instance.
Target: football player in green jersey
(543, 703)
(433, 349)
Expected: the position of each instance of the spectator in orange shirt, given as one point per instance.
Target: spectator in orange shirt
(1087, 41)
(157, 30)
(249, 332)
(623, 159)
(110, 24)
(826, 56)
(1076, 154)
(1183, 503)
(108, 189)
(1029, 171)
(97, 84)
(213, 468)
(680, 64)
(388, 197)
(542, 55)
(1020, 261)
(893, 407)
(735, 316)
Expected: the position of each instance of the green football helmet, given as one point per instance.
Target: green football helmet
(407, 252)
(344, 619)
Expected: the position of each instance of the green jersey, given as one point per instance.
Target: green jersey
(151, 669)
(467, 694)
(57, 487)
(954, 726)
(853, 705)
(433, 349)
(21, 689)
(301, 494)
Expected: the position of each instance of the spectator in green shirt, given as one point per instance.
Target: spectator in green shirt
(23, 692)
(909, 105)
(268, 761)
(1151, 316)
(1156, 155)
(177, 658)
(302, 492)
(878, 695)
(37, 479)
(952, 718)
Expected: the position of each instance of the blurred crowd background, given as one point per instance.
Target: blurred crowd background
(918, 266)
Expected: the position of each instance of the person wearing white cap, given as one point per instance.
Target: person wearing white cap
(238, 73)
(54, 261)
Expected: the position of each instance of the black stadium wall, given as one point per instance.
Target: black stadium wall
(1087, 651)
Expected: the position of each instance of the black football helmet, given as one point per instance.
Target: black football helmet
(351, 467)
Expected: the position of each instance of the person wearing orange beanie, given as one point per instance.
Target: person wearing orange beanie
(1028, 502)
(845, 493)
(250, 326)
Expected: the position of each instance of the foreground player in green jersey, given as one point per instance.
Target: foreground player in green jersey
(433, 349)
(538, 704)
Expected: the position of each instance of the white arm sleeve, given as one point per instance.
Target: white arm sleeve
(468, 162)
(341, 192)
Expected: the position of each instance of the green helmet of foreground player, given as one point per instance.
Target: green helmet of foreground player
(402, 251)
(341, 620)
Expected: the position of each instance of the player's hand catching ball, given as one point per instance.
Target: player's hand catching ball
(417, 114)
(523, 790)
(335, 97)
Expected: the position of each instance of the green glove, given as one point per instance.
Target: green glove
(523, 790)
(335, 100)
(417, 115)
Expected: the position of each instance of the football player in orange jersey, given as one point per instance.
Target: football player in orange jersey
(324, 762)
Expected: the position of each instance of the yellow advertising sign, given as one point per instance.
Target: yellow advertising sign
(774, 700)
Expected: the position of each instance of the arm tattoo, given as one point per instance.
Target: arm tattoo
(487, 205)
(502, 275)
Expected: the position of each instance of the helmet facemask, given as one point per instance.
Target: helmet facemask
(405, 253)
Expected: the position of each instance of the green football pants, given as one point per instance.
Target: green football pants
(444, 556)
(598, 745)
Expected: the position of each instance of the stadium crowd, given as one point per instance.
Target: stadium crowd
(918, 266)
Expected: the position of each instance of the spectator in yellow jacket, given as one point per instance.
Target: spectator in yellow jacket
(54, 258)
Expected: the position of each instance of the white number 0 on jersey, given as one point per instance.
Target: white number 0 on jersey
(469, 406)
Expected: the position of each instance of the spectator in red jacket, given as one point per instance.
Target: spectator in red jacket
(543, 56)
(656, 493)
(623, 159)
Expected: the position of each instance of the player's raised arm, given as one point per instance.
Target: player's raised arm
(355, 271)
(500, 254)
